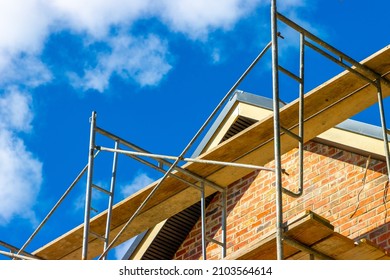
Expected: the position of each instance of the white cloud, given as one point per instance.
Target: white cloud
(139, 182)
(20, 172)
(216, 56)
(141, 59)
(198, 18)
(193, 18)
(25, 26)
(15, 111)
(95, 17)
(24, 69)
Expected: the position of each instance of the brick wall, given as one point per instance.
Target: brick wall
(337, 186)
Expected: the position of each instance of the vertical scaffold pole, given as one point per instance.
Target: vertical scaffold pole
(203, 218)
(224, 221)
(277, 150)
(384, 126)
(301, 109)
(111, 198)
(88, 195)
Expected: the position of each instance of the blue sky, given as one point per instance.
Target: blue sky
(153, 71)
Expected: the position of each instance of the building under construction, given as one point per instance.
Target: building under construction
(268, 180)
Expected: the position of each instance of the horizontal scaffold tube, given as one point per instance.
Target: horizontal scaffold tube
(243, 165)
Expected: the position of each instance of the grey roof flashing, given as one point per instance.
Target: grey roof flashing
(241, 96)
(267, 103)
(361, 128)
(252, 99)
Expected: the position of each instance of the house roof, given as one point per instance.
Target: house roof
(241, 111)
(260, 106)
(325, 107)
(239, 121)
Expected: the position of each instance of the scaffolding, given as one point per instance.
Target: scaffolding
(169, 165)
(162, 161)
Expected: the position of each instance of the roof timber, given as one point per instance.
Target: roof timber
(325, 106)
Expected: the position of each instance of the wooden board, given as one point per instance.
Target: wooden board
(326, 106)
(300, 256)
(334, 245)
(264, 249)
(68, 246)
(363, 250)
(307, 228)
(316, 233)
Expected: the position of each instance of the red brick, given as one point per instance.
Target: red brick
(331, 187)
(384, 237)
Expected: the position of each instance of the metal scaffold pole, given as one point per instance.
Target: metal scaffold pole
(277, 150)
(384, 125)
(224, 222)
(203, 220)
(111, 198)
(87, 213)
